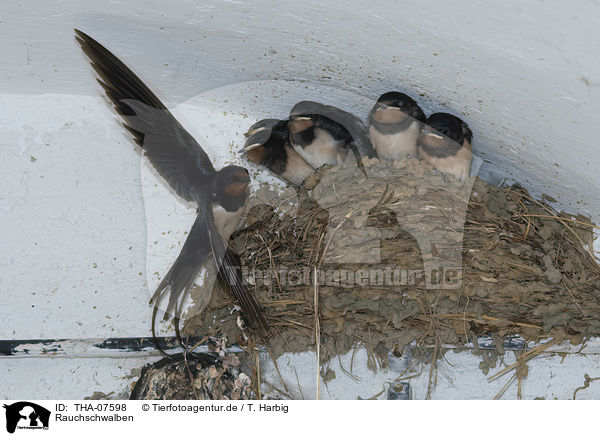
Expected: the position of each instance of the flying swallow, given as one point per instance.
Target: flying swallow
(268, 145)
(181, 161)
(323, 134)
(446, 144)
(395, 125)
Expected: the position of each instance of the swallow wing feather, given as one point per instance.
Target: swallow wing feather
(171, 149)
(177, 282)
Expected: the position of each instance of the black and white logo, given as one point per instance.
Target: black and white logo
(26, 415)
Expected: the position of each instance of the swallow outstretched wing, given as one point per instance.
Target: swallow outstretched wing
(171, 149)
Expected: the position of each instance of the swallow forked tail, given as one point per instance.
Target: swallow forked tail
(229, 267)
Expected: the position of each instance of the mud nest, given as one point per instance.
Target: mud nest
(182, 377)
(406, 254)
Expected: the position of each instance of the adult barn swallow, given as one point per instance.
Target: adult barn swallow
(268, 145)
(181, 161)
(394, 126)
(323, 134)
(446, 144)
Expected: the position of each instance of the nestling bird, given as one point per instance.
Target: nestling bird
(323, 134)
(446, 144)
(181, 161)
(268, 145)
(395, 125)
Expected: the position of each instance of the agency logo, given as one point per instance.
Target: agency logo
(26, 415)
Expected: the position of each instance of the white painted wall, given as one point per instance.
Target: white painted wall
(526, 77)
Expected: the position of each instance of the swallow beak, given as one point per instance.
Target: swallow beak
(247, 148)
(434, 135)
(385, 107)
(253, 131)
